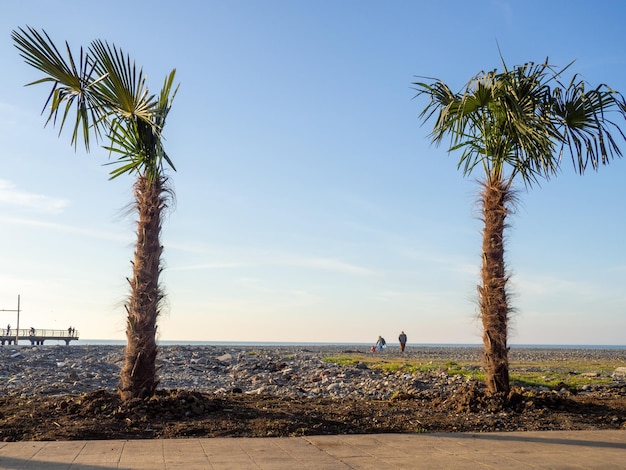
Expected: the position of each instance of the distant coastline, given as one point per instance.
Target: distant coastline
(105, 342)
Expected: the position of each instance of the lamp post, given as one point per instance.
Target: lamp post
(17, 330)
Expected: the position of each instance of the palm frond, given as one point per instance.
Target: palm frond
(515, 120)
(585, 126)
(125, 89)
(127, 144)
(108, 93)
(72, 82)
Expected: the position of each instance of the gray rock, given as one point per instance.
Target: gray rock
(590, 374)
(619, 372)
(282, 371)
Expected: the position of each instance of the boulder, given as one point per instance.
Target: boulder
(620, 372)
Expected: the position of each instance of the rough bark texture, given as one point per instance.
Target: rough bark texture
(138, 375)
(494, 309)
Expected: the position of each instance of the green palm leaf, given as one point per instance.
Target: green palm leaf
(515, 123)
(73, 82)
(125, 89)
(108, 94)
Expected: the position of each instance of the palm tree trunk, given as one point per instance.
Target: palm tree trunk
(494, 309)
(138, 376)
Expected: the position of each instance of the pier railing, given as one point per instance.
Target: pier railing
(37, 335)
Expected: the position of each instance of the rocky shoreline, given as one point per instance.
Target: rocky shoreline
(288, 371)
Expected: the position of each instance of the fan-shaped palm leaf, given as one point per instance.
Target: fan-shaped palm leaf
(72, 82)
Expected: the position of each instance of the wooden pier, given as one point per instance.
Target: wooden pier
(36, 336)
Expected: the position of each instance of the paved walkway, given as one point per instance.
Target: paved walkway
(513, 450)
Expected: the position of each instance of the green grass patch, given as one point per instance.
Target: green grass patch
(387, 364)
(572, 374)
(342, 360)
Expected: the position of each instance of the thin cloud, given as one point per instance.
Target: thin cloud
(325, 264)
(99, 234)
(452, 263)
(205, 266)
(549, 286)
(9, 194)
(255, 258)
(415, 299)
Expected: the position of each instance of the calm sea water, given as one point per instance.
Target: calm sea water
(96, 342)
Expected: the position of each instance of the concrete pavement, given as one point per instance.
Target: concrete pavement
(511, 450)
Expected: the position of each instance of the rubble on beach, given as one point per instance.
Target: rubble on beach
(290, 371)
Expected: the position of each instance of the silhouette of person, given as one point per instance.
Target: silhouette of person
(402, 339)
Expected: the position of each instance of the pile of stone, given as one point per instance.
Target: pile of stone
(282, 371)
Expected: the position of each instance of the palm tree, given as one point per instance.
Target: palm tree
(109, 96)
(517, 124)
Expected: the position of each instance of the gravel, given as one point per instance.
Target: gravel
(283, 371)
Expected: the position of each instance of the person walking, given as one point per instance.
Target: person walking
(402, 339)
(381, 344)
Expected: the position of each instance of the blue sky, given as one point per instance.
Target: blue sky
(310, 204)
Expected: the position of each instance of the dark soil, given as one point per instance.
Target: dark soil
(183, 414)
